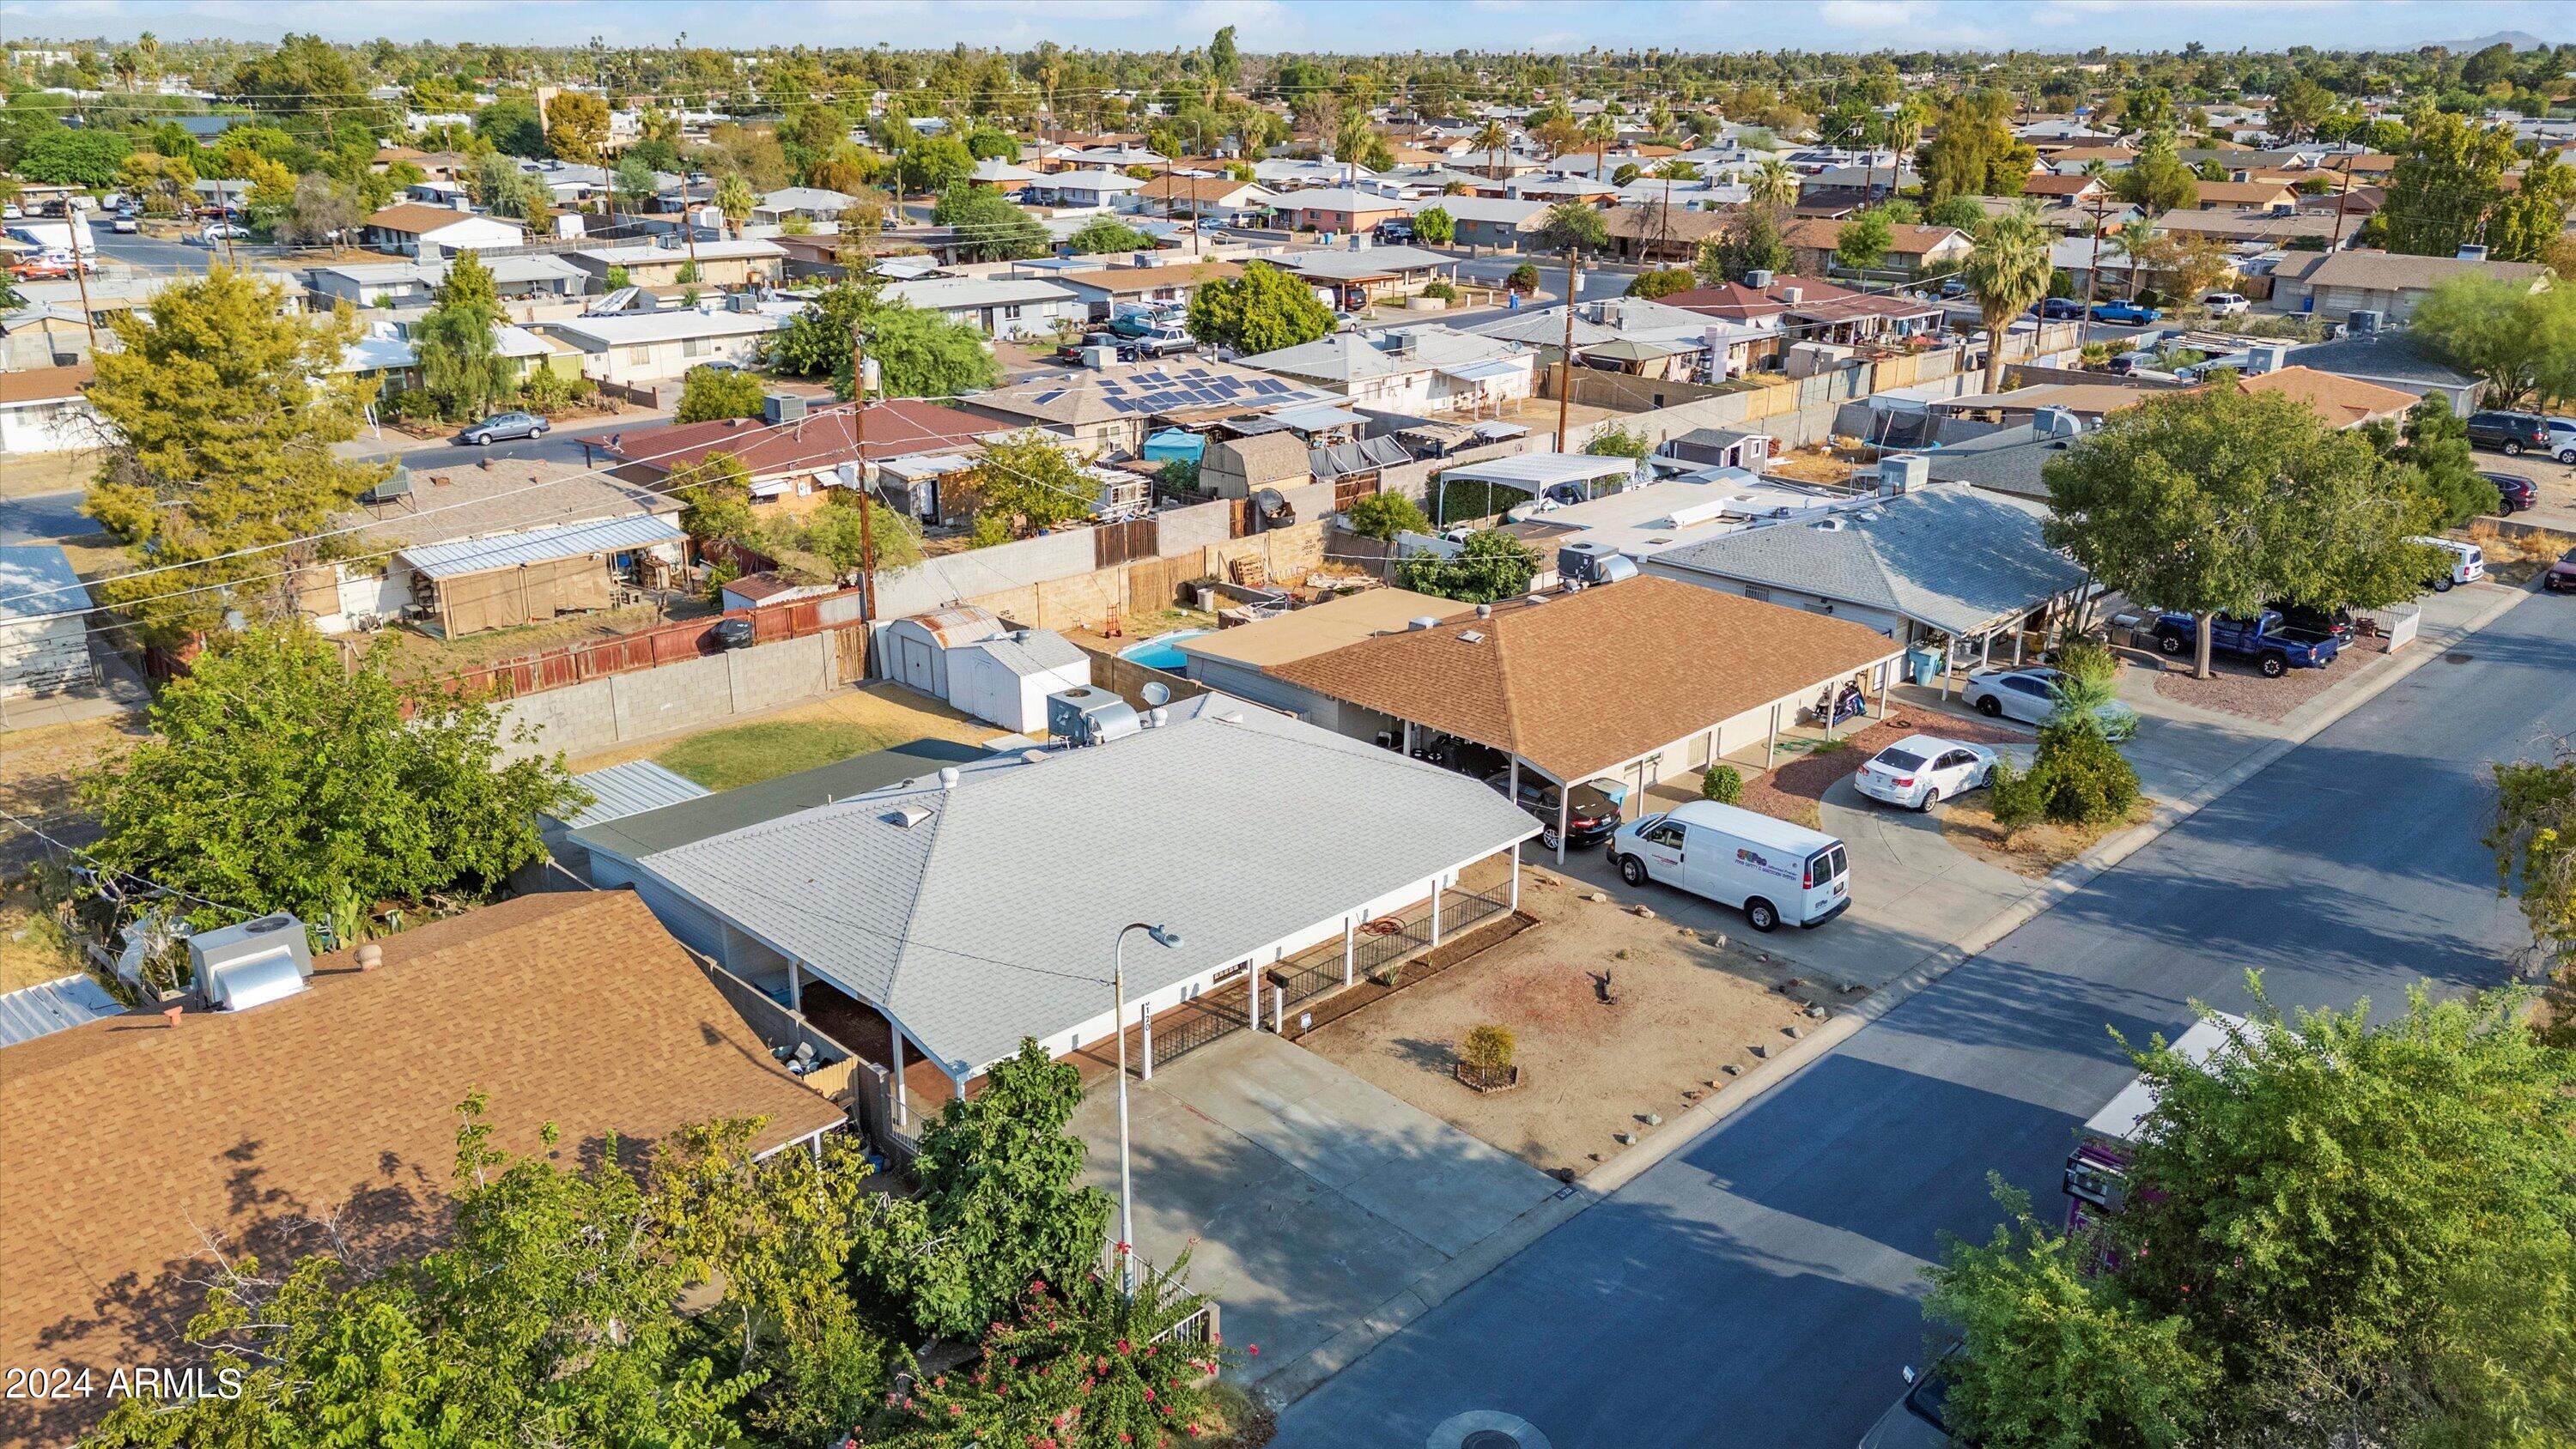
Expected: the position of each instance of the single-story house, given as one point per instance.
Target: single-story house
(1357, 273)
(385, 351)
(893, 919)
(541, 537)
(1087, 190)
(1237, 661)
(44, 621)
(999, 307)
(721, 262)
(2344, 402)
(1220, 199)
(814, 203)
(637, 349)
(2064, 187)
(1000, 175)
(1112, 411)
(1656, 233)
(584, 1013)
(794, 468)
(2244, 195)
(413, 229)
(1937, 559)
(1103, 290)
(1423, 369)
(1911, 247)
(1526, 678)
(1339, 209)
(46, 410)
(2395, 359)
(1503, 223)
(2391, 283)
(370, 284)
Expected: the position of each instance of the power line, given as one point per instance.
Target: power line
(39, 832)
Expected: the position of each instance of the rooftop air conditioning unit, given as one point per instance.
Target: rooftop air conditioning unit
(1903, 473)
(1090, 715)
(2266, 357)
(1584, 562)
(782, 407)
(2049, 423)
(1793, 295)
(251, 964)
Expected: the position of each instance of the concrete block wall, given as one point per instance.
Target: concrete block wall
(600, 714)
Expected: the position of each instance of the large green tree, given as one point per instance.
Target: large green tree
(1024, 483)
(2446, 181)
(277, 779)
(2334, 1232)
(224, 408)
(989, 227)
(2217, 501)
(2434, 445)
(2533, 836)
(2521, 343)
(1973, 150)
(1750, 243)
(461, 366)
(1262, 310)
(1490, 565)
(708, 393)
(918, 352)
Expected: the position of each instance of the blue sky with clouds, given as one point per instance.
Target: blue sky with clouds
(1335, 25)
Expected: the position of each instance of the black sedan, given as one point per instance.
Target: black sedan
(1591, 817)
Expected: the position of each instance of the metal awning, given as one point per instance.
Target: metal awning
(1482, 371)
(1537, 471)
(540, 545)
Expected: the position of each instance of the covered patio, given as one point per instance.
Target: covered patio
(1565, 477)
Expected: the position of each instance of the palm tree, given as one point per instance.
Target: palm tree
(1904, 133)
(1350, 140)
(735, 199)
(2139, 244)
(1775, 186)
(1601, 130)
(1491, 138)
(2007, 272)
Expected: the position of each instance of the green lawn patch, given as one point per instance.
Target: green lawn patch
(749, 754)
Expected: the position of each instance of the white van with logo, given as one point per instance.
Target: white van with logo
(1769, 869)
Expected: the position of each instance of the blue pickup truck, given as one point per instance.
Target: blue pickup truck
(2275, 647)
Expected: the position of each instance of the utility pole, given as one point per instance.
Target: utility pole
(867, 511)
(2092, 277)
(80, 274)
(2340, 201)
(1565, 376)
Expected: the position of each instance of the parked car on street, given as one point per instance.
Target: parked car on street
(1395, 229)
(124, 223)
(2561, 576)
(2468, 563)
(2562, 439)
(1592, 816)
(222, 231)
(2030, 696)
(1917, 1420)
(501, 427)
(1921, 771)
(2125, 314)
(2224, 304)
(1769, 869)
(2514, 492)
(2509, 433)
(2058, 309)
(1071, 352)
(2267, 639)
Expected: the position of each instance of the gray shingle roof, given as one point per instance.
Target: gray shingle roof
(992, 918)
(1952, 558)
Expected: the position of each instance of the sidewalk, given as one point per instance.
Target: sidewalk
(2188, 758)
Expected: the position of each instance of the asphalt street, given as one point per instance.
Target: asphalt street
(1761, 1286)
(43, 518)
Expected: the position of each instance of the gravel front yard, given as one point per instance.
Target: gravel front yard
(1793, 791)
(2239, 688)
(1685, 1010)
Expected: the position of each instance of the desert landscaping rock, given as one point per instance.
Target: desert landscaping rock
(1644, 913)
(1732, 1070)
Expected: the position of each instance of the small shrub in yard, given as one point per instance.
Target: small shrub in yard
(2082, 778)
(2012, 798)
(1441, 292)
(1488, 1053)
(1722, 784)
(1524, 278)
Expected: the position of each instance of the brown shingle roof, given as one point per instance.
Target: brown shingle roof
(2341, 401)
(1147, 279)
(1590, 680)
(417, 216)
(45, 384)
(127, 1138)
(896, 429)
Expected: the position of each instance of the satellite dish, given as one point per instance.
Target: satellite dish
(1157, 693)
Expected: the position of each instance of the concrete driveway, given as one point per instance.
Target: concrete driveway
(1314, 1198)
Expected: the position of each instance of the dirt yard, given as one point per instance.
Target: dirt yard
(40, 774)
(2239, 688)
(2036, 850)
(844, 723)
(1686, 1009)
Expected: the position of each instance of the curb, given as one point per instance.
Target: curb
(1295, 1380)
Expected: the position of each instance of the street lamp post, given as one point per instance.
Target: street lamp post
(1118, 1027)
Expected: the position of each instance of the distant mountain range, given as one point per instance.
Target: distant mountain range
(2518, 39)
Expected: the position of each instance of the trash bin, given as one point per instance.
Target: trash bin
(1923, 666)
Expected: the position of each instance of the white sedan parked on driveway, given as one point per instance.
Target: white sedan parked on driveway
(2030, 696)
(1921, 771)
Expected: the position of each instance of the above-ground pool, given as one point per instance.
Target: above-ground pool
(1163, 651)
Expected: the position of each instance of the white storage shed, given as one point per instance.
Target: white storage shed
(915, 649)
(1006, 679)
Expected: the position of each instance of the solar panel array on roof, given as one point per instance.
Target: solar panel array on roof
(1158, 390)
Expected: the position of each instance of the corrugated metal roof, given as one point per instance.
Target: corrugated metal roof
(1032, 651)
(672, 826)
(540, 545)
(631, 789)
(36, 579)
(1077, 844)
(53, 1006)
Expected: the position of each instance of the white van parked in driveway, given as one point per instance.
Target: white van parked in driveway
(1769, 869)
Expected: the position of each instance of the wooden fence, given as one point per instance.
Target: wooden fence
(662, 644)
